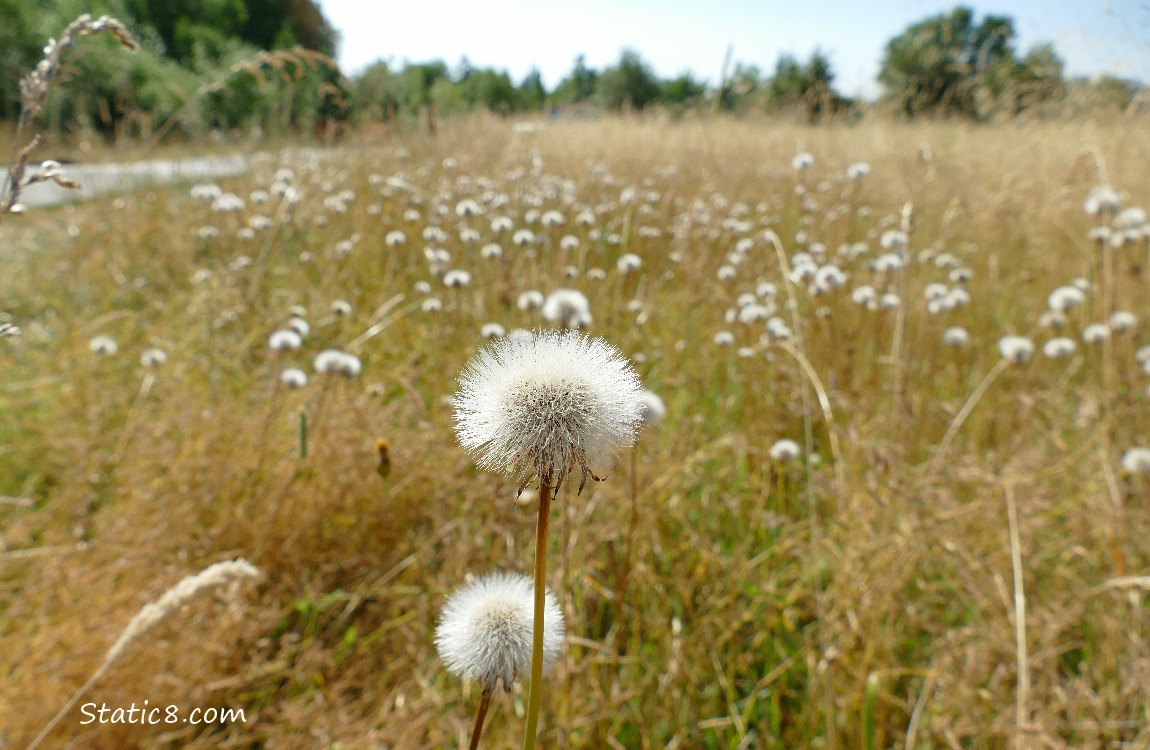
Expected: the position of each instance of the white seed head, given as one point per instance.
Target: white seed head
(293, 377)
(1095, 333)
(1016, 349)
(1136, 461)
(1122, 321)
(485, 630)
(491, 331)
(456, 278)
(1059, 348)
(543, 406)
(568, 308)
(785, 450)
(284, 340)
(628, 262)
(654, 410)
(103, 345)
(1065, 298)
(956, 337)
(153, 357)
(335, 361)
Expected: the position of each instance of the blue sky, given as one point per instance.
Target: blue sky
(673, 36)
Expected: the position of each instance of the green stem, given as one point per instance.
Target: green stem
(302, 434)
(536, 689)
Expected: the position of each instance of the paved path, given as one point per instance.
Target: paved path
(97, 179)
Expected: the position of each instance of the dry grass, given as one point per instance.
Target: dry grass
(859, 602)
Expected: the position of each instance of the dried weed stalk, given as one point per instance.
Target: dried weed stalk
(228, 574)
(34, 89)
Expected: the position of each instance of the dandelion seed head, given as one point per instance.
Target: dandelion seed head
(1122, 321)
(628, 262)
(568, 308)
(104, 345)
(653, 408)
(1136, 461)
(1016, 349)
(457, 278)
(284, 340)
(531, 299)
(1095, 333)
(543, 406)
(785, 450)
(293, 377)
(1059, 348)
(1065, 298)
(334, 361)
(485, 631)
(956, 336)
(153, 357)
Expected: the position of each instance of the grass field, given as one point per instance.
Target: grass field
(958, 557)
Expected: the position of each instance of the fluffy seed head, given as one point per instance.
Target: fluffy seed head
(485, 631)
(1136, 461)
(153, 357)
(1016, 349)
(956, 337)
(103, 345)
(568, 308)
(1059, 348)
(284, 339)
(654, 410)
(541, 406)
(785, 450)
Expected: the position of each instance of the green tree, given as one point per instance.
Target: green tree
(278, 24)
(807, 87)
(191, 27)
(579, 86)
(630, 83)
(682, 91)
(742, 88)
(937, 66)
(377, 92)
(532, 94)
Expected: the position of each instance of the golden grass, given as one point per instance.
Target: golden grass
(860, 602)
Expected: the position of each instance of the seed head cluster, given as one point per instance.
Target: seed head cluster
(539, 406)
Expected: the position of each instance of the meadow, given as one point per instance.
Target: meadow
(954, 552)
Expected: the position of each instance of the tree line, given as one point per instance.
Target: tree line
(267, 64)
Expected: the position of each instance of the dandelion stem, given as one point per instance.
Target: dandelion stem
(536, 689)
(629, 559)
(1021, 711)
(302, 434)
(484, 703)
(963, 413)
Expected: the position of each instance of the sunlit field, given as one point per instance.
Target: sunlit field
(953, 551)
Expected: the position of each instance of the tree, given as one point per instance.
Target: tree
(276, 24)
(630, 83)
(948, 64)
(742, 89)
(532, 94)
(808, 87)
(191, 27)
(682, 91)
(579, 86)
